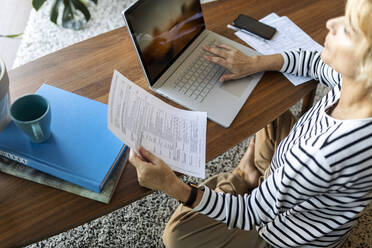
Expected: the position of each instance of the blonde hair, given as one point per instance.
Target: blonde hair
(359, 14)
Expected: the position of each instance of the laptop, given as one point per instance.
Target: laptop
(168, 37)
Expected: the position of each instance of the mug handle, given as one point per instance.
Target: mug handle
(38, 133)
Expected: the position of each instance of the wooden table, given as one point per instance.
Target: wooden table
(30, 212)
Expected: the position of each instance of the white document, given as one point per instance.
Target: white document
(138, 119)
(269, 18)
(288, 37)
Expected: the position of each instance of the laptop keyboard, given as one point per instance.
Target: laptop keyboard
(200, 77)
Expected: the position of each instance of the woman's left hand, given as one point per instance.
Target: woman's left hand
(152, 172)
(235, 61)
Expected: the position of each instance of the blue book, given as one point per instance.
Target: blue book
(81, 149)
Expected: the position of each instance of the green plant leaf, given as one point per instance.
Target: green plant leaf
(37, 4)
(11, 35)
(70, 19)
(82, 8)
(54, 11)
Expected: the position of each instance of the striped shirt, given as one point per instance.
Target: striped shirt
(321, 174)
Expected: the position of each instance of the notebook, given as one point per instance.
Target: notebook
(19, 170)
(81, 149)
(168, 37)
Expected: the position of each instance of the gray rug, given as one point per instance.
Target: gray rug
(141, 223)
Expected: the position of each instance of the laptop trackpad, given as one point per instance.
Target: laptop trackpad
(235, 87)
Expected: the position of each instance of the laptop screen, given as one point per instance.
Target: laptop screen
(162, 30)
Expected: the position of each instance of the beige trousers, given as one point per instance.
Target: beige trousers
(187, 228)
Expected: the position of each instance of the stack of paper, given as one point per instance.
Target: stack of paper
(288, 37)
(176, 136)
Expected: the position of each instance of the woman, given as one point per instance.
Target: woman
(300, 186)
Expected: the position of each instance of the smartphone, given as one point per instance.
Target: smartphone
(254, 26)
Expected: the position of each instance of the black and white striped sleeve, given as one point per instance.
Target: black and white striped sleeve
(309, 64)
(304, 175)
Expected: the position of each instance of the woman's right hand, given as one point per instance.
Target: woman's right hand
(152, 172)
(239, 64)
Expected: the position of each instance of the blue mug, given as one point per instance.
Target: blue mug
(31, 113)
